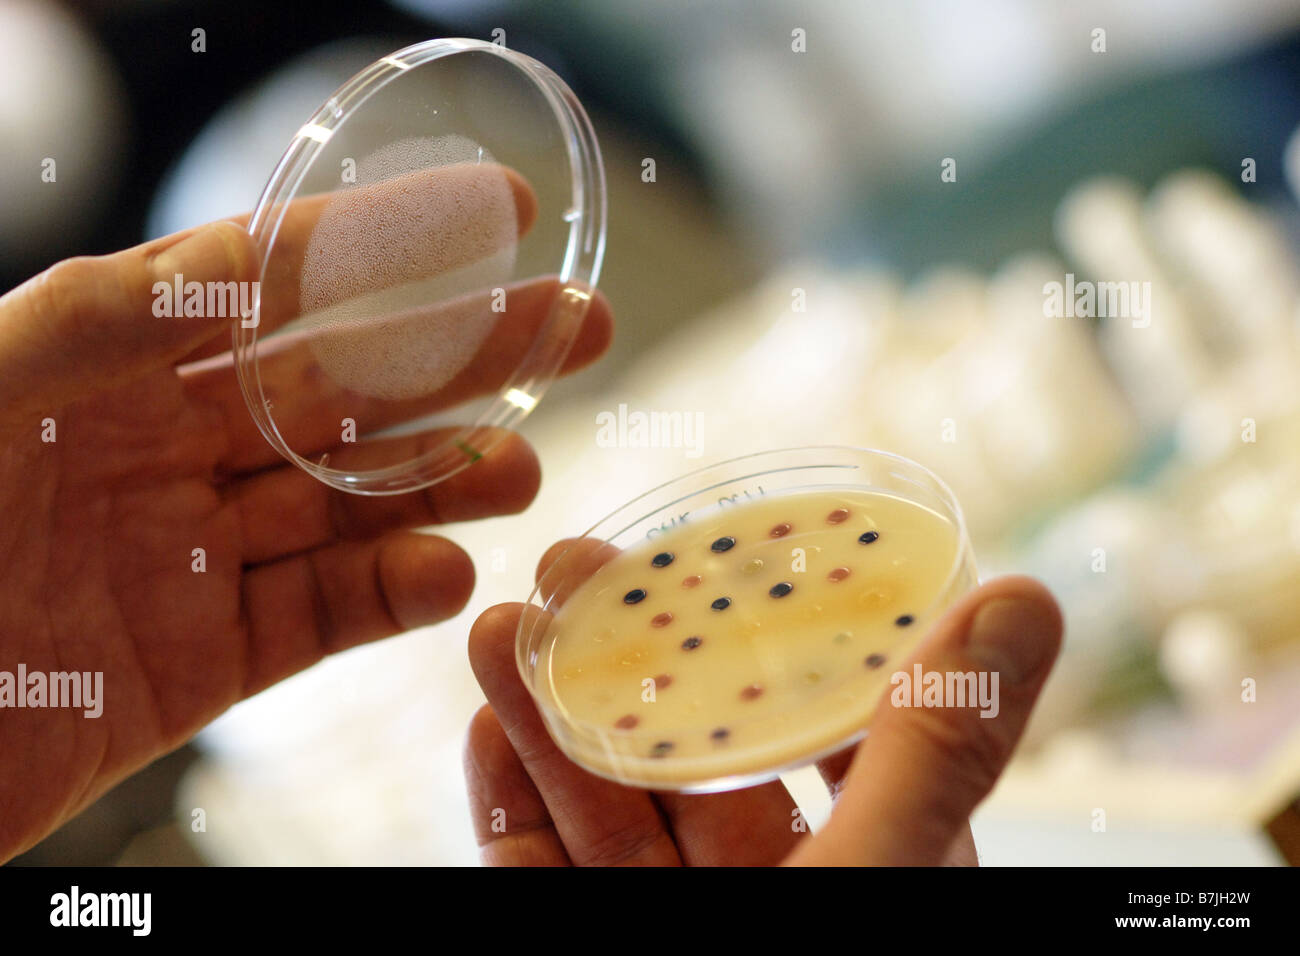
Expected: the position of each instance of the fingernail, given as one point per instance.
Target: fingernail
(215, 253)
(1014, 636)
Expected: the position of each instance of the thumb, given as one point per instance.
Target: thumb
(922, 769)
(89, 323)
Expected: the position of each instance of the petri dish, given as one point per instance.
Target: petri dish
(428, 246)
(743, 620)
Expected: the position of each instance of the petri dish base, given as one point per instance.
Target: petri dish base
(742, 620)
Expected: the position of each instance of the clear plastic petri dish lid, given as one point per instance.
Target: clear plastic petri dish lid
(429, 243)
(742, 620)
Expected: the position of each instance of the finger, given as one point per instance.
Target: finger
(757, 826)
(600, 822)
(511, 822)
(962, 852)
(833, 769)
(88, 323)
(310, 418)
(922, 770)
(750, 827)
(452, 203)
(567, 564)
(286, 510)
(327, 600)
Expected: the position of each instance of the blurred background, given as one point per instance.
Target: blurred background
(854, 212)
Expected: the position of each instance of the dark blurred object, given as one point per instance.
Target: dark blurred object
(1284, 830)
(170, 91)
(62, 131)
(100, 835)
(1210, 117)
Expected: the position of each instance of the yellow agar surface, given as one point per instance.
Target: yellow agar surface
(664, 689)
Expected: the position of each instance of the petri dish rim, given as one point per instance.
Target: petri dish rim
(578, 273)
(731, 472)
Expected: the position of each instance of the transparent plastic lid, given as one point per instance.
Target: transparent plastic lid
(429, 244)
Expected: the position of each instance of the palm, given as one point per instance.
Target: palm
(102, 524)
(104, 574)
(101, 529)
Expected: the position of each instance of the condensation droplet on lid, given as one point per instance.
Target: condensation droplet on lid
(395, 306)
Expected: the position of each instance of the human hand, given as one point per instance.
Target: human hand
(903, 796)
(149, 462)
